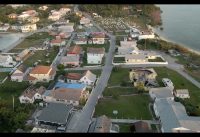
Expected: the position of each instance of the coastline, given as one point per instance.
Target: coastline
(174, 42)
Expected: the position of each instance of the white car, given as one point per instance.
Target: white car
(168, 83)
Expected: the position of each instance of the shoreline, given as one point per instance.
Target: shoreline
(174, 42)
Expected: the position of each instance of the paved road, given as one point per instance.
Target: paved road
(130, 121)
(82, 124)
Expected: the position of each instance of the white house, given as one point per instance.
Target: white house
(23, 17)
(33, 19)
(7, 61)
(54, 16)
(80, 40)
(41, 74)
(84, 21)
(88, 78)
(135, 58)
(182, 93)
(95, 55)
(19, 74)
(168, 83)
(128, 47)
(146, 35)
(29, 28)
(70, 61)
(69, 27)
(31, 94)
(73, 77)
(43, 8)
(57, 42)
(97, 38)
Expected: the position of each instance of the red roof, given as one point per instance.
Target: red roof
(40, 70)
(57, 41)
(73, 76)
(74, 50)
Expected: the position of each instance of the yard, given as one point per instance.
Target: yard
(124, 128)
(118, 75)
(119, 60)
(158, 59)
(40, 55)
(180, 83)
(120, 91)
(132, 107)
(3, 75)
(35, 40)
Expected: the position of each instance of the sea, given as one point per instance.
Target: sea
(181, 25)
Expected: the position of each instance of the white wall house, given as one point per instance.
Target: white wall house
(7, 61)
(146, 36)
(97, 38)
(95, 55)
(88, 78)
(29, 28)
(19, 74)
(182, 93)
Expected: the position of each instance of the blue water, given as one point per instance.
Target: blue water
(181, 25)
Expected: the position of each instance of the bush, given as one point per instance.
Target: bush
(123, 84)
(61, 67)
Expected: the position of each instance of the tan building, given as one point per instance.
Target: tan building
(33, 19)
(135, 58)
(12, 16)
(41, 74)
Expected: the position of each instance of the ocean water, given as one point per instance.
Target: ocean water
(7, 39)
(181, 24)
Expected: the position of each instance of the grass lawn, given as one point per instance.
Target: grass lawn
(124, 128)
(41, 55)
(180, 83)
(158, 59)
(106, 46)
(35, 40)
(119, 60)
(119, 91)
(3, 75)
(133, 107)
(122, 74)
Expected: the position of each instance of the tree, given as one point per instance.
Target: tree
(61, 67)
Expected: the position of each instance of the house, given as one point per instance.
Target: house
(173, 117)
(80, 40)
(135, 58)
(150, 54)
(74, 51)
(31, 13)
(15, 6)
(128, 47)
(22, 55)
(146, 76)
(71, 61)
(84, 21)
(19, 74)
(88, 78)
(7, 61)
(31, 94)
(69, 27)
(103, 124)
(43, 8)
(23, 17)
(73, 77)
(41, 74)
(64, 35)
(168, 83)
(57, 42)
(95, 55)
(33, 19)
(146, 35)
(42, 130)
(54, 114)
(97, 37)
(162, 92)
(140, 127)
(28, 28)
(182, 93)
(4, 27)
(66, 93)
(63, 11)
(54, 16)
(12, 16)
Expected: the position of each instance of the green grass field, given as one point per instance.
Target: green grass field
(3, 75)
(133, 107)
(119, 91)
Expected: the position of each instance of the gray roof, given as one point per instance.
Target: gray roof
(163, 92)
(173, 115)
(69, 59)
(135, 56)
(182, 91)
(90, 75)
(55, 113)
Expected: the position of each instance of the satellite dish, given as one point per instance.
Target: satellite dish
(115, 112)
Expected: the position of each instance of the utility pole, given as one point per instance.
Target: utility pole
(13, 103)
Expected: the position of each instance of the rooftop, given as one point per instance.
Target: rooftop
(74, 76)
(163, 92)
(41, 70)
(96, 50)
(69, 59)
(75, 49)
(133, 56)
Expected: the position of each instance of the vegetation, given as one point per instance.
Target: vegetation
(158, 59)
(124, 128)
(61, 67)
(119, 60)
(120, 91)
(132, 107)
(181, 83)
(3, 75)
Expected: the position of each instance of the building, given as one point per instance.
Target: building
(28, 28)
(12, 16)
(84, 21)
(64, 35)
(31, 94)
(4, 27)
(74, 51)
(70, 61)
(182, 93)
(168, 83)
(23, 17)
(103, 124)
(80, 40)
(128, 47)
(159, 93)
(55, 114)
(7, 61)
(19, 74)
(135, 58)
(87, 78)
(33, 19)
(68, 27)
(15, 6)
(146, 35)
(97, 38)
(54, 16)
(95, 55)
(43, 8)
(31, 13)
(41, 74)
(140, 127)
(146, 76)
(22, 55)
(42, 130)
(58, 42)
(173, 117)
